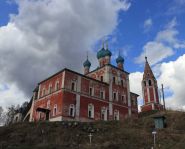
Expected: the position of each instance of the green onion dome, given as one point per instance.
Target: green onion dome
(120, 59)
(87, 63)
(108, 53)
(101, 53)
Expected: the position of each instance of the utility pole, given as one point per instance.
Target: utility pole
(163, 96)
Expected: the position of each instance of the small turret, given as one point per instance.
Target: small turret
(120, 62)
(87, 65)
(101, 55)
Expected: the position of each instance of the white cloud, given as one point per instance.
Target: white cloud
(172, 76)
(176, 7)
(11, 96)
(46, 36)
(155, 51)
(171, 24)
(163, 45)
(135, 86)
(147, 24)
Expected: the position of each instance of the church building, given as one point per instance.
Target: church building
(100, 94)
(150, 90)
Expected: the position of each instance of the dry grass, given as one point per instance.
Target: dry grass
(130, 134)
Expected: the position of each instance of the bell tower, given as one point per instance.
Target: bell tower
(150, 90)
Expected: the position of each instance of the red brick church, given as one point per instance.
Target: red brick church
(101, 94)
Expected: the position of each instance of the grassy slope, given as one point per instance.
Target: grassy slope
(130, 134)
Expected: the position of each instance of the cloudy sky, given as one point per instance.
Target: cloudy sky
(41, 37)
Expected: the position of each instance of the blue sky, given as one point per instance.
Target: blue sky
(130, 26)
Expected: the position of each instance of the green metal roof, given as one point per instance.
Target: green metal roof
(120, 59)
(87, 63)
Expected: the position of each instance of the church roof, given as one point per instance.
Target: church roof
(107, 52)
(148, 71)
(101, 53)
(120, 59)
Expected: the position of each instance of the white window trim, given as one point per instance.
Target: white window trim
(124, 98)
(102, 91)
(104, 111)
(116, 115)
(116, 96)
(92, 91)
(57, 84)
(72, 106)
(55, 107)
(44, 91)
(50, 89)
(92, 110)
(113, 80)
(74, 85)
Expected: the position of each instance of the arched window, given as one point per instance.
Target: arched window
(101, 78)
(149, 82)
(123, 98)
(43, 92)
(104, 113)
(50, 88)
(91, 91)
(114, 80)
(91, 111)
(57, 86)
(116, 115)
(73, 86)
(102, 95)
(114, 96)
(72, 110)
(55, 110)
(122, 83)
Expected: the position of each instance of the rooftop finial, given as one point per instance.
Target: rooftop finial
(107, 45)
(119, 52)
(87, 54)
(146, 58)
(103, 43)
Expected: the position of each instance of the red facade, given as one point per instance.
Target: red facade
(102, 94)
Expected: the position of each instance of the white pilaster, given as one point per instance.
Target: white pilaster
(110, 95)
(31, 112)
(154, 95)
(129, 102)
(107, 74)
(148, 93)
(78, 98)
(79, 84)
(39, 92)
(77, 106)
(143, 92)
(63, 79)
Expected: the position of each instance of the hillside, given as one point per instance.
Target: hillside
(130, 134)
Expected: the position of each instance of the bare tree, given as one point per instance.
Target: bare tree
(11, 111)
(2, 116)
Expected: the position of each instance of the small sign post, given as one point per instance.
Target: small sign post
(154, 134)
